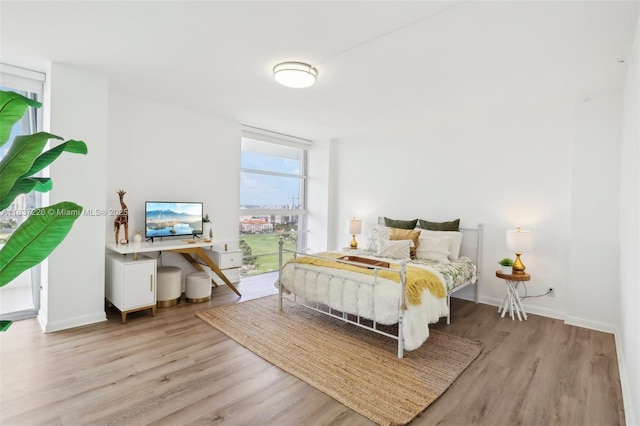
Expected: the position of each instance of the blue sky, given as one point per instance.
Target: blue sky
(190, 208)
(266, 190)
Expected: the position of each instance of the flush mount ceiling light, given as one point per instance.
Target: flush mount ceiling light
(295, 74)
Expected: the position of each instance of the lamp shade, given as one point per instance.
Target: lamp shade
(354, 226)
(519, 240)
(295, 74)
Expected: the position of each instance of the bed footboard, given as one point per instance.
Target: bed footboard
(354, 319)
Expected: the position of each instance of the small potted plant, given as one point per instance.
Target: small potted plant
(506, 265)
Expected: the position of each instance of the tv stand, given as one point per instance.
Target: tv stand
(187, 250)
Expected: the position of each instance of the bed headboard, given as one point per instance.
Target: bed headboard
(471, 242)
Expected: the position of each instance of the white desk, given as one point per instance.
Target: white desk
(186, 247)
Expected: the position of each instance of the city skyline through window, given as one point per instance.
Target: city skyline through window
(272, 202)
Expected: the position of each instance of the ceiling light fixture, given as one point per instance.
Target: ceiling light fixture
(295, 74)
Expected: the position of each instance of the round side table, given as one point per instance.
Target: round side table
(511, 301)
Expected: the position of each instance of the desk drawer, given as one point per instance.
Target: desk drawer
(228, 259)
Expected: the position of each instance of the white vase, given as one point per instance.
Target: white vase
(207, 230)
(506, 269)
(137, 238)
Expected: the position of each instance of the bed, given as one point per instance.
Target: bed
(382, 285)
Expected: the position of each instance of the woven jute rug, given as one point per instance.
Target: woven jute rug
(356, 367)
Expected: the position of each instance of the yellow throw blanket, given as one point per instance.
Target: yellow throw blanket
(417, 278)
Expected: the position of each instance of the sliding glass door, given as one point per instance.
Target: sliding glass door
(21, 297)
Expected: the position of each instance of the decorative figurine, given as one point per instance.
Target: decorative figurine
(122, 219)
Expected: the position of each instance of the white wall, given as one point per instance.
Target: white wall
(73, 288)
(595, 201)
(628, 338)
(318, 195)
(503, 167)
(160, 153)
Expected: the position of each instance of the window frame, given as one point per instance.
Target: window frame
(266, 137)
(32, 82)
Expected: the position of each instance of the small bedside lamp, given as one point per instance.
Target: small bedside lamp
(354, 227)
(519, 241)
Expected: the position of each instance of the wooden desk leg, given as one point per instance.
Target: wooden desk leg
(207, 260)
(198, 251)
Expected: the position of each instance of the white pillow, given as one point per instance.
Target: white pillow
(455, 240)
(434, 248)
(398, 249)
(376, 237)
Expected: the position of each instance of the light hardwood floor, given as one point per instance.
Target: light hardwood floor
(174, 369)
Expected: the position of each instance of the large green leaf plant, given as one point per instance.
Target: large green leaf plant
(45, 228)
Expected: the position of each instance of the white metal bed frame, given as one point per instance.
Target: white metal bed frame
(475, 254)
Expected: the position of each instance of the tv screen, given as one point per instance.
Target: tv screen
(170, 219)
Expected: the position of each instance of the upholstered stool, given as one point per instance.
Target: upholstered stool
(169, 286)
(198, 286)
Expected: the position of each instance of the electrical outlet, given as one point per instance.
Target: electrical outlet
(552, 292)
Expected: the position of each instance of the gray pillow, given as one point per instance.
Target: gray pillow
(453, 225)
(400, 224)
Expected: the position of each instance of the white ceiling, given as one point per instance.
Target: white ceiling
(380, 64)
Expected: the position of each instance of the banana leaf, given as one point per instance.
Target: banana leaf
(48, 157)
(24, 186)
(36, 238)
(12, 108)
(20, 159)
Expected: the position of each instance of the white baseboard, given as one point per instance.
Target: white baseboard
(630, 416)
(550, 313)
(545, 312)
(593, 325)
(51, 326)
(537, 310)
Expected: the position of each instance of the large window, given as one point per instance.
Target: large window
(272, 199)
(21, 297)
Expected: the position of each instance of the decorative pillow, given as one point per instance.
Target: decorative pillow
(434, 248)
(375, 236)
(399, 249)
(454, 225)
(455, 240)
(406, 234)
(400, 224)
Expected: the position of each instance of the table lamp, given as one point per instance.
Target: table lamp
(354, 227)
(519, 241)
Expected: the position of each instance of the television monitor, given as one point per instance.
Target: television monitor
(172, 219)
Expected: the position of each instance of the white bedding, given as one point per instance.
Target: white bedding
(349, 292)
